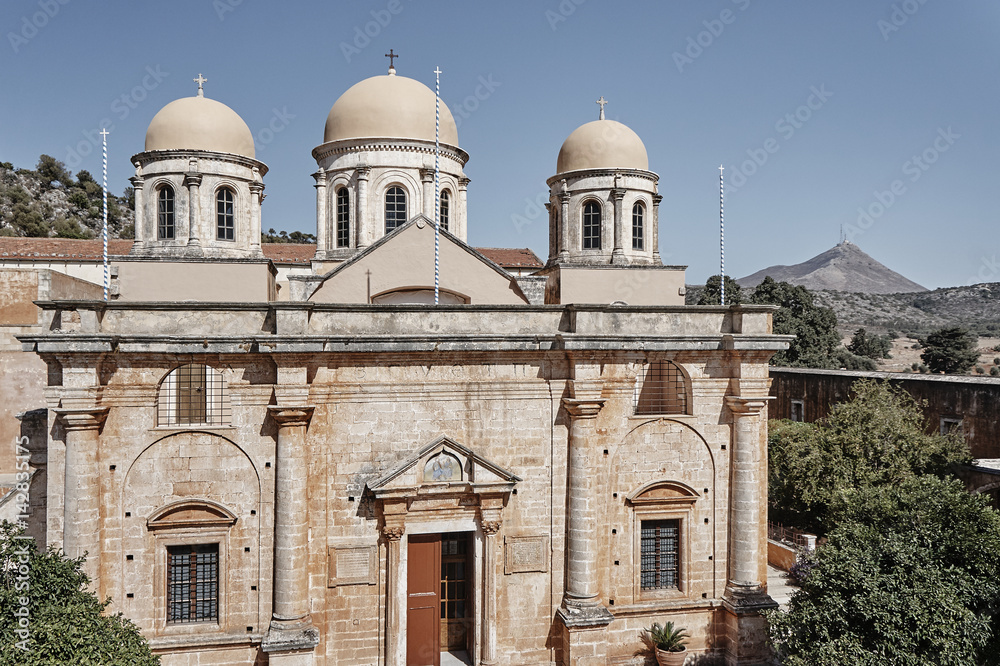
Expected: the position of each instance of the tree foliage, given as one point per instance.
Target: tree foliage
(877, 438)
(50, 170)
(712, 295)
(909, 577)
(815, 327)
(66, 623)
(273, 236)
(871, 346)
(950, 350)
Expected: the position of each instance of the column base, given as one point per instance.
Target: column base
(584, 616)
(291, 642)
(585, 637)
(746, 636)
(618, 258)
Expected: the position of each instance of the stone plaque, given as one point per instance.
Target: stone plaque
(352, 565)
(524, 554)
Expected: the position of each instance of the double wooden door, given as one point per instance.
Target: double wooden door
(438, 593)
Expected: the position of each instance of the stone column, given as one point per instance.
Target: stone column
(322, 223)
(291, 627)
(462, 214)
(138, 247)
(618, 254)
(564, 231)
(747, 506)
(427, 180)
(192, 181)
(363, 226)
(82, 485)
(654, 228)
(490, 530)
(395, 585)
(256, 199)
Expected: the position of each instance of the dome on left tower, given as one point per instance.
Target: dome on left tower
(199, 123)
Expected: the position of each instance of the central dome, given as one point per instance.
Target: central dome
(199, 123)
(388, 106)
(602, 144)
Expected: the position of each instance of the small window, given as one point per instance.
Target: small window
(225, 219)
(395, 208)
(660, 552)
(592, 226)
(193, 583)
(638, 213)
(165, 213)
(193, 395)
(798, 413)
(445, 209)
(660, 390)
(343, 217)
(949, 426)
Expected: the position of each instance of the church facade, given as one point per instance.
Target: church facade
(328, 468)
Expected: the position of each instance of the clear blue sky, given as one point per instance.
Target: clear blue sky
(703, 82)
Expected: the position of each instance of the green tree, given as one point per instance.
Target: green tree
(814, 327)
(909, 577)
(877, 438)
(28, 221)
(874, 347)
(66, 623)
(950, 350)
(712, 295)
(50, 170)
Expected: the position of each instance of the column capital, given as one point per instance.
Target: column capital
(320, 177)
(657, 198)
(291, 416)
(747, 405)
(362, 171)
(618, 193)
(583, 409)
(86, 418)
(137, 182)
(427, 175)
(191, 178)
(491, 527)
(463, 182)
(393, 532)
(256, 188)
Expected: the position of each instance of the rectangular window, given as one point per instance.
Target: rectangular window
(660, 550)
(193, 583)
(798, 411)
(949, 426)
(192, 402)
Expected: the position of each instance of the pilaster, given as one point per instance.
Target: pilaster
(256, 200)
(491, 524)
(427, 183)
(395, 603)
(140, 220)
(654, 229)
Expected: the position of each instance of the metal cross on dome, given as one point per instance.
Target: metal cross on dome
(602, 102)
(392, 57)
(200, 81)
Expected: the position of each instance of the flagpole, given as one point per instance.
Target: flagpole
(437, 185)
(722, 236)
(104, 136)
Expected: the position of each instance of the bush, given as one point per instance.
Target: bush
(950, 350)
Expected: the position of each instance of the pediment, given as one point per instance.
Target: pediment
(664, 492)
(442, 465)
(191, 513)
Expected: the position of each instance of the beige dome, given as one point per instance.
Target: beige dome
(199, 123)
(602, 144)
(388, 106)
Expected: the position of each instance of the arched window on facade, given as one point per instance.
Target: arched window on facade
(395, 208)
(592, 226)
(165, 213)
(193, 395)
(660, 389)
(638, 216)
(225, 217)
(343, 217)
(445, 209)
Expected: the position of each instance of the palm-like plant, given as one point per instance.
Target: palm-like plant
(665, 637)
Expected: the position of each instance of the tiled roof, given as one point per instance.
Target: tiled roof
(511, 257)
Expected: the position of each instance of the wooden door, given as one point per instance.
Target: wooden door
(423, 601)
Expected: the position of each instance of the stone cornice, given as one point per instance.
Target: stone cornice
(583, 409)
(150, 156)
(382, 144)
(291, 416)
(86, 418)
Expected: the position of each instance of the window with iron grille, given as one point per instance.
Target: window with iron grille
(343, 217)
(660, 390)
(660, 552)
(445, 209)
(592, 226)
(637, 217)
(165, 213)
(193, 395)
(225, 218)
(193, 583)
(395, 208)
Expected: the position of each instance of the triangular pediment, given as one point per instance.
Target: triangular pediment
(400, 266)
(443, 463)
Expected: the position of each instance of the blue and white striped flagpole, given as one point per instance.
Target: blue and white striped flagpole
(437, 185)
(104, 136)
(722, 236)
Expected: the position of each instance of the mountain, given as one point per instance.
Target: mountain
(842, 268)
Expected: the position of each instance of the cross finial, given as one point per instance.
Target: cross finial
(392, 59)
(602, 102)
(721, 168)
(201, 80)
(105, 133)
(437, 70)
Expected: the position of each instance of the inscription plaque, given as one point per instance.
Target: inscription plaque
(352, 565)
(526, 554)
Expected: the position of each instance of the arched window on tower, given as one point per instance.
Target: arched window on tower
(660, 389)
(225, 217)
(395, 208)
(343, 217)
(445, 209)
(165, 213)
(592, 226)
(638, 215)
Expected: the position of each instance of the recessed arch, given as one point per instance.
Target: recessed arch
(191, 512)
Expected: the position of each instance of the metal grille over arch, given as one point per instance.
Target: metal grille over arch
(193, 394)
(660, 389)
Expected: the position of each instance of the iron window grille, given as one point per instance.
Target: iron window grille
(660, 390)
(224, 216)
(660, 552)
(637, 218)
(193, 395)
(395, 208)
(193, 583)
(343, 217)
(445, 209)
(165, 213)
(592, 226)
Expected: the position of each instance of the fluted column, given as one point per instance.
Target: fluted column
(192, 181)
(363, 226)
(81, 490)
(395, 649)
(322, 223)
(748, 507)
(654, 228)
(618, 254)
(427, 181)
(491, 527)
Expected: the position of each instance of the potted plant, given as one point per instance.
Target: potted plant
(667, 643)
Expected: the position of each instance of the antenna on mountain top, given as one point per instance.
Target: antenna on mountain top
(842, 236)
(722, 237)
